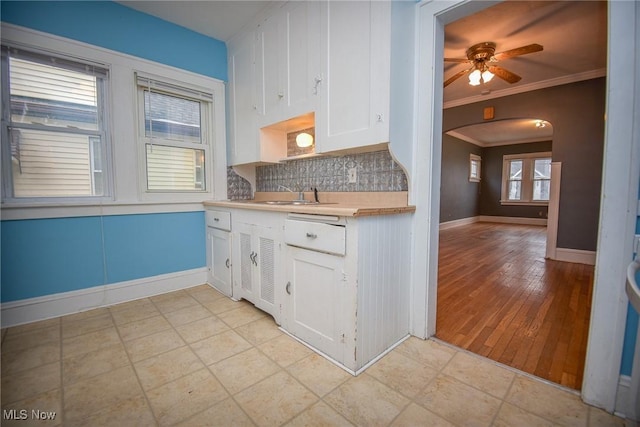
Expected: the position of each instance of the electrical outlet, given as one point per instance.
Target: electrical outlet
(353, 175)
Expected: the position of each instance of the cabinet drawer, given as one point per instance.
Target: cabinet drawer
(219, 219)
(315, 236)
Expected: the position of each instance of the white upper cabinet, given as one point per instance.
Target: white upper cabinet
(288, 62)
(356, 62)
(331, 58)
(243, 101)
(302, 74)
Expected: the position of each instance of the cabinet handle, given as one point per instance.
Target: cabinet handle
(226, 263)
(280, 95)
(312, 235)
(216, 219)
(288, 288)
(251, 257)
(318, 80)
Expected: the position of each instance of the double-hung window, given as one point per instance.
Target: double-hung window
(175, 136)
(474, 167)
(526, 178)
(54, 137)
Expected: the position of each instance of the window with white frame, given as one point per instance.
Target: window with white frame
(175, 142)
(526, 178)
(54, 138)
(474, 167)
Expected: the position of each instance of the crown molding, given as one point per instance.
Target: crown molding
(484, 144)
(587, 75)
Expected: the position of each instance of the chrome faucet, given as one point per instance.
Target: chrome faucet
(300, 192)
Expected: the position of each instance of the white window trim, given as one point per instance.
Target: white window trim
(475, 158)
(104, 108)
(179, 89)
(126, 196)
(526, 189)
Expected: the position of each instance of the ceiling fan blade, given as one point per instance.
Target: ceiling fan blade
(461, 60)
(456, 76)
(522, 50)
(506, 75)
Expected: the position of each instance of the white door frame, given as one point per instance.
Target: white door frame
(621, 172)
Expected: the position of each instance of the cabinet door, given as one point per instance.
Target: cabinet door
(268, 65)
(315, 295)
(243, 263)
(301, 65)
(356, 75)
(288, 62)
(256, 257)
(266, 271)
(243, 101)
(219, 260)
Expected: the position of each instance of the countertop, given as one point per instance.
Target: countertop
(353, 204)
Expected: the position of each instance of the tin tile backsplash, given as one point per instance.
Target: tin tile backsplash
(375, 171)
(238, 188)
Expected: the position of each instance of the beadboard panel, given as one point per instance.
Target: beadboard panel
(383, 287)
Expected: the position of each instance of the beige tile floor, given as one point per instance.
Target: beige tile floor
(197, 358)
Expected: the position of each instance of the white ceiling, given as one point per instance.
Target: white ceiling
(504, 132)
(214, 18)
(573, 34)
(574, 37)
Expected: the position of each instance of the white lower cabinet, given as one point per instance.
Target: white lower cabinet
(219, 250)
(256, 266)
(219, 260)
(315, 293)
(339, 284)
(348, 286)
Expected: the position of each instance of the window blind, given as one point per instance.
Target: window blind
(152, 84)
(85, 67)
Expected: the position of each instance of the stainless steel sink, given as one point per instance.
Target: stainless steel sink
(290, 202)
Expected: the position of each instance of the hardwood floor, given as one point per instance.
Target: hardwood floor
(498, 297)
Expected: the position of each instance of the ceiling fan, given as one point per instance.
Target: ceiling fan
(481, 56)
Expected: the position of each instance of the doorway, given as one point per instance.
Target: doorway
(608, 313)
(497, 295)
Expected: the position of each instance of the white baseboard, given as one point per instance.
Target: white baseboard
(512, 220)
(575, 255)
(623, 397)
(40, 308)
(458, 222)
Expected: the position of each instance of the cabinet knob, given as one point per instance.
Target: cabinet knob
(280, 95)
(379, 118)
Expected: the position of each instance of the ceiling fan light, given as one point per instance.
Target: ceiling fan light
(304, 140)
(487, 76)
(474, 78)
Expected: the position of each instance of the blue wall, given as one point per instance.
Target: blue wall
(47, 256)
(116, 27)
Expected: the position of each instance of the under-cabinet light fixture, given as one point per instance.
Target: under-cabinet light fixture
(304, 140)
